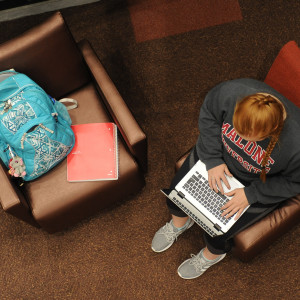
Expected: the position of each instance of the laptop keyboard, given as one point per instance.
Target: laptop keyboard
(198, 187)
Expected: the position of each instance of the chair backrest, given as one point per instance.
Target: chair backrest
(49, 55)
(284, 74)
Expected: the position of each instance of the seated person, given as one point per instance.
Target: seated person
(250, 131)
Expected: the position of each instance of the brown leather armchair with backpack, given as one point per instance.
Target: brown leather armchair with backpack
(49, 55)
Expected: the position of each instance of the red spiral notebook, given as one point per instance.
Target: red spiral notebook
(94, 156)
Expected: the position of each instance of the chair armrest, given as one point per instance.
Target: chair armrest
(133, 135)
(11, 198)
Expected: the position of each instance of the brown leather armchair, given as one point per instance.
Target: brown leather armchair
(50, 56)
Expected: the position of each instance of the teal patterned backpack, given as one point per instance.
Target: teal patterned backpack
(35, 132)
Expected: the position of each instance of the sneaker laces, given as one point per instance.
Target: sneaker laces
(169, 233)
(197, 261)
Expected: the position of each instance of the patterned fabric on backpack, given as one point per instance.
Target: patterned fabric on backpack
(34, 128)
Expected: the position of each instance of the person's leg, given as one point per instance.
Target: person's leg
(180, 222)
(209, 255)
(184, 169)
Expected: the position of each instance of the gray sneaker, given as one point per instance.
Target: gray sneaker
(166, 235)
(196, 266)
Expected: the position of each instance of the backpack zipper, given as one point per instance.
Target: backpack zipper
(23, 139)
(7, 106)
(46, 128)
(25, 134)
(9, 103)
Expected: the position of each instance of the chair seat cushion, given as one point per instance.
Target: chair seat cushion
(52, 197)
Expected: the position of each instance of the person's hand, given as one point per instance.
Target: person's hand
(216, 175)
(236, 204)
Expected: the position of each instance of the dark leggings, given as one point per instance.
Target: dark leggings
(222, 243)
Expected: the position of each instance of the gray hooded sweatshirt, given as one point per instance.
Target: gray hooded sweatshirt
(218, 143)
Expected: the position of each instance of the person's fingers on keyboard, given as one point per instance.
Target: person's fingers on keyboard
(212, 183)
(215, 185)
(220, 187)
(225, 181)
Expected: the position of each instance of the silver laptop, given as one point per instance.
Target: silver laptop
(194, 196)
